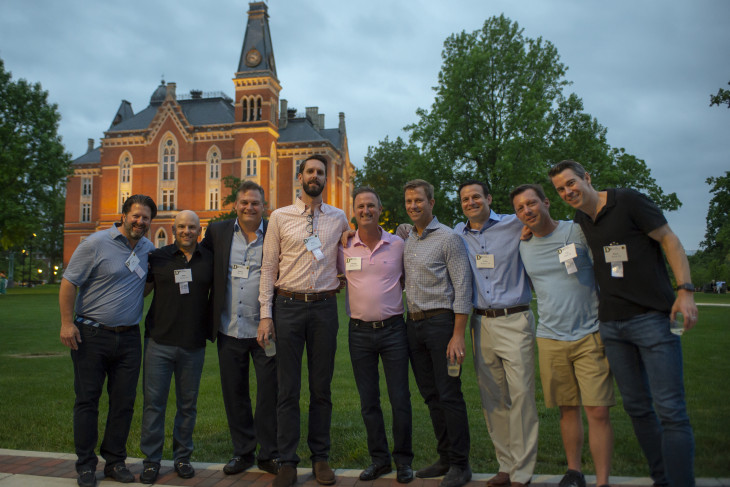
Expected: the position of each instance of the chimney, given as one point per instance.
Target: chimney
(291, 113)
(283, 113)
(171, 91)
(321, 120)
(90, 145)
(342, 122)
(196, 94)
(312, 116)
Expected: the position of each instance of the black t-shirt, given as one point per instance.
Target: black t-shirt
(181, 320)
(627, 219)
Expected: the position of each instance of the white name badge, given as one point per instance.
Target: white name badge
(184, 289)
(485, 261)
(183, 275)
(567, 253)
(132, 262)
(615, 253)
(617, 269)
(240, 271)
(312, 243)
(353, 263)
(140, 273)
(570, 266)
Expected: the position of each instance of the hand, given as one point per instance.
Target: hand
(70, 336)
(343, 281)
(526, 233)
(346, 236)
(685, 304)
(456, 349)
(265, 332)
(403, 230)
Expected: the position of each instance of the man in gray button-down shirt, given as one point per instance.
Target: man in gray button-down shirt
(438, 287)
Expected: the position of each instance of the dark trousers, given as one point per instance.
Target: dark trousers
(297, 324)
(114, 357)
(428, 340)
(391, 345)
(246, 428)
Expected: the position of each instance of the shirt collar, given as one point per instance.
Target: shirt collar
(385, 237)
(302, 208)
(237, 227)
(493, 217)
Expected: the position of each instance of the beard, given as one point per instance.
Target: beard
(313, 189)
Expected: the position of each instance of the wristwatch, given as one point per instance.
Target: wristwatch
(687, 286)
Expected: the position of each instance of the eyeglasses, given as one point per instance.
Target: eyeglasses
(310, 224)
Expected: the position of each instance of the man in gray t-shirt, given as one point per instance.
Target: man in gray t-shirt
(573, 365)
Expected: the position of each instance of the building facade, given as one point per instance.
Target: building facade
(179, 149)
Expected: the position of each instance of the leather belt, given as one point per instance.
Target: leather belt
(80, 320)
(376, 324)
(496, 313)
(422, 315)
(306, 297)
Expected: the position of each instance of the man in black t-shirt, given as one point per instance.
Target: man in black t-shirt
(177, 325)
(627, 233)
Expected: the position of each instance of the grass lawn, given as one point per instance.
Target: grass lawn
(36, 383)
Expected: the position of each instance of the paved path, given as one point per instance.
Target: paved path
(35, 469)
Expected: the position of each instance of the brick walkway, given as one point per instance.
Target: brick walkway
(32, 469)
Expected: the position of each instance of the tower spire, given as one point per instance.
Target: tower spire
(257, 53)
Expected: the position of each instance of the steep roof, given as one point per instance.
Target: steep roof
(91, 157)
(302, 130)
(257, 52)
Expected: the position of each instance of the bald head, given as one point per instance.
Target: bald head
(186, 230)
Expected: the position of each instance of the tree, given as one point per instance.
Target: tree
(34, 166)
(232, 183)
(500, 115)
(721, 98)
(718, 214)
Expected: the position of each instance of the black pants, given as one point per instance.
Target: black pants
(297, 324)
(248, 429)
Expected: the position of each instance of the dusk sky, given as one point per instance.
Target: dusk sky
(645, 70)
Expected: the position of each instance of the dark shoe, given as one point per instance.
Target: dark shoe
(499, 480)
(405, 474)
(149, 474)
(436, 470)
(286, 477)
(237, 465)
(184, 469)
(572, 478)
(374, 471)
(119, 472)
(323, 473)
(520, 484)
(271, 465)
(456, 476)
(87, 477)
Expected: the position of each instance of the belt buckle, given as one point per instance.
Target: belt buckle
(378, 324)
(306, 298)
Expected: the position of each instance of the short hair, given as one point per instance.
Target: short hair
(420, 183)
(364, 189)
(561, 166)
(250, 186)
(140, 199)
(469, 182)
(316, 157)
(525, 187)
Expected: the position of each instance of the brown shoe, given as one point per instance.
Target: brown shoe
(323, 473)
(499, 480)
(286, 477)
(520, 484)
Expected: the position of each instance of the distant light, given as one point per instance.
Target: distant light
(40, 271)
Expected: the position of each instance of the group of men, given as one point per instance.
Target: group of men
(604, 297)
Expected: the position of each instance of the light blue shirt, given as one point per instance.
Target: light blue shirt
(505, 285)
(240, 317)
(567, 303)
(109, 293)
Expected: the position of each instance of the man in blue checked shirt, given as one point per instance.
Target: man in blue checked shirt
(503, 334)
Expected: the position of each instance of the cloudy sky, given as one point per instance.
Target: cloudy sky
(644, 69)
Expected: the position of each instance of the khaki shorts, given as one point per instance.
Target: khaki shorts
(575, 373)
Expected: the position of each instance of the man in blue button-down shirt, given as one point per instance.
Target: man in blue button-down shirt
(503, 333)
(237, 247)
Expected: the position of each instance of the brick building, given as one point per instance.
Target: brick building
(179, 148)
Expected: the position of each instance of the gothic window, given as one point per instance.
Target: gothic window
(244, 104)
(213, 199)
(85, 212)
(161, 238)
(126, 173)
(85, 186)
(215, 165)
(169, 158)
(251, 164)
(168, 199)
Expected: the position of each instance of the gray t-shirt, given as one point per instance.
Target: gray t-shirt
(567, 304)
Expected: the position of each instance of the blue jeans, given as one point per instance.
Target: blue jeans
(391, 345)
(646, 360)
(314, 325)
(114, 357)
(428, 340)
(160, 363)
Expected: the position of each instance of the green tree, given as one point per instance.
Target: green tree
(232, 183)
(34, 166)
(721, 98)
(500, 114)
(717, 234)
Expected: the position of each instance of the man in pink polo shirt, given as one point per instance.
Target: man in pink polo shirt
(373, 265)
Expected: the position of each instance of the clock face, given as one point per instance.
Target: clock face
(253, 58)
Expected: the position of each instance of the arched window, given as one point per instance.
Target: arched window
(244, 105)
(169, 158)
(161, 238)
(213, 199)
(258, 108)
(251, 164)
(126, 170)
(214, 163)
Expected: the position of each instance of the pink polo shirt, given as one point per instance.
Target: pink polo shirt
(374, 292)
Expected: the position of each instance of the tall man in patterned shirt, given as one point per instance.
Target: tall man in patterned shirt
(373, 265)
(298, 302)
(438, 289)
(108, 269)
